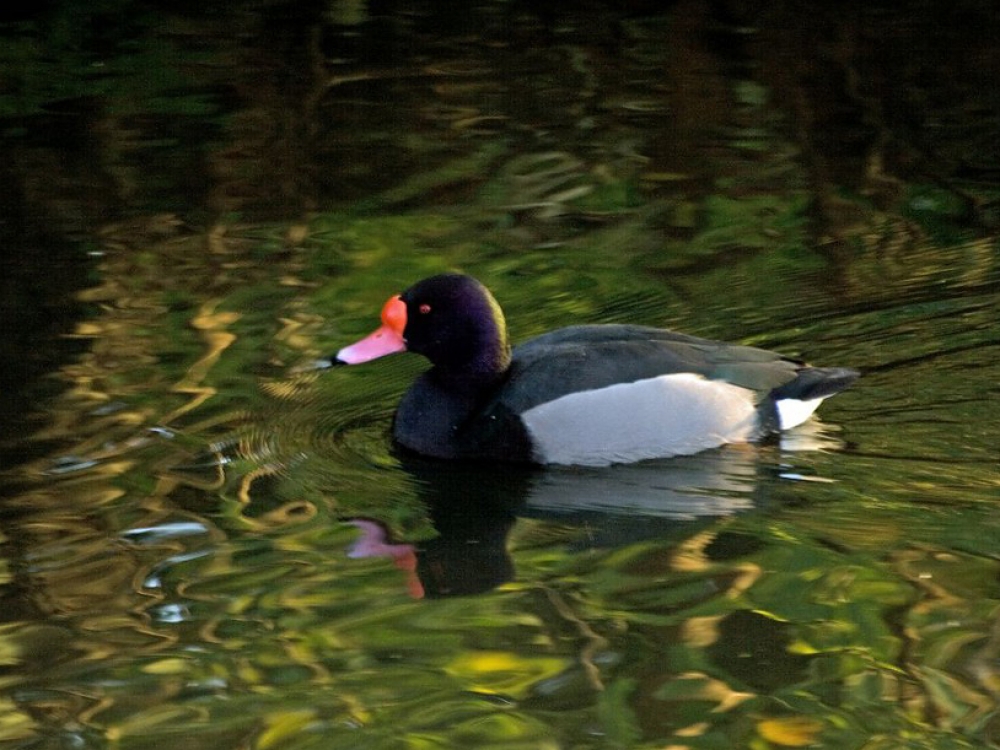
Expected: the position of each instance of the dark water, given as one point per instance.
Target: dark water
(208, 544)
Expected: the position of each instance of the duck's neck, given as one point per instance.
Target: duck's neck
(472, 353)
(480, 372)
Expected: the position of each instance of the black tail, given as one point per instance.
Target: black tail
(816, 382)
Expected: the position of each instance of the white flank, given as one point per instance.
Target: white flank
(792, 412)
(669, 415)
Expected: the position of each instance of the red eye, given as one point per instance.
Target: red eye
(424, 309)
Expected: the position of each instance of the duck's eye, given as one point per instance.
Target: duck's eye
(424, 309)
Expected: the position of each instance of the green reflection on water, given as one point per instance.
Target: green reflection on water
(859, 603)
(190, 583)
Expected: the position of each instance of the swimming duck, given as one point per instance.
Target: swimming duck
(585, 394)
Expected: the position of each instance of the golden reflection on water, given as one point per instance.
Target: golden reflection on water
(177, 565)
(255, 587)
(212, 326)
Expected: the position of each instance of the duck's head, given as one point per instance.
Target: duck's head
(451, 319)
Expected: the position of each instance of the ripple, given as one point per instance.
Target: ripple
(312, 426)
(314, 440)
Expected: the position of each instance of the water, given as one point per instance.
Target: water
(207, 543)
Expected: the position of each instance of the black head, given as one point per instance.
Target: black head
(456, 323)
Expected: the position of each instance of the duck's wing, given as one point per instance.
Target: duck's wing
(583, 358)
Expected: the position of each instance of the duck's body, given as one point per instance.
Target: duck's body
(594, 394)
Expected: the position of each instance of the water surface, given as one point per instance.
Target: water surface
(206, 543)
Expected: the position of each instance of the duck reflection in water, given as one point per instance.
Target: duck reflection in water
(473, 511)
(474, 507)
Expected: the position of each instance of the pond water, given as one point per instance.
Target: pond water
(207, 543)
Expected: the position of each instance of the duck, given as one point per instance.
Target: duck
(588, 395)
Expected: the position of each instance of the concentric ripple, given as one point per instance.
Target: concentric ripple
(318, 436)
